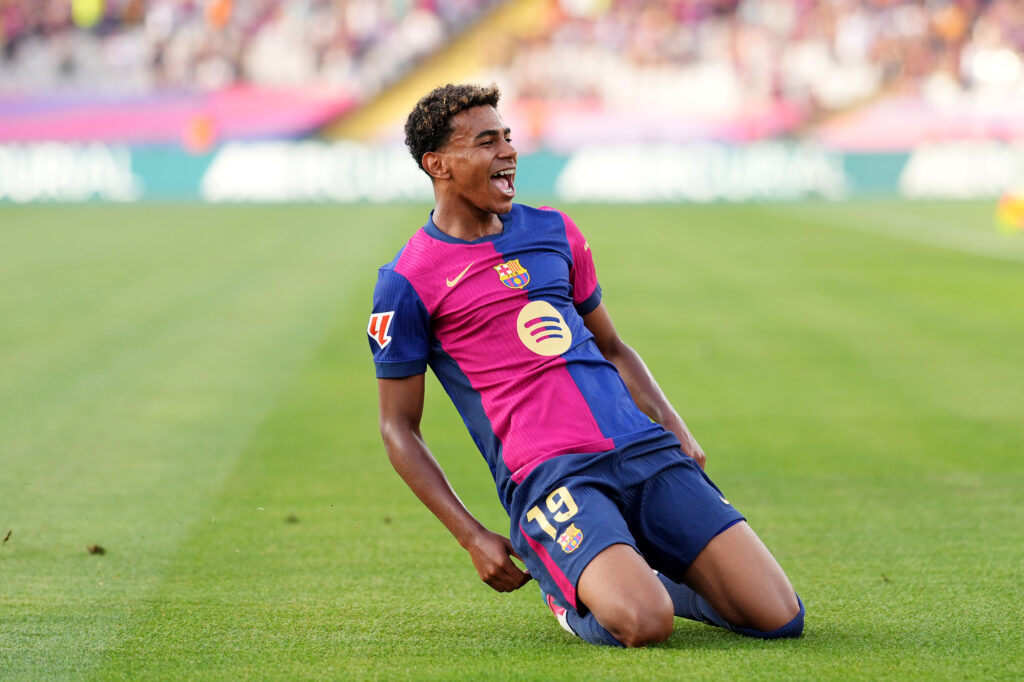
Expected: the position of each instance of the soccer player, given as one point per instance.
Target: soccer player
(610, 509)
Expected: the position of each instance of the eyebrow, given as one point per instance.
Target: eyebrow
(491, 133)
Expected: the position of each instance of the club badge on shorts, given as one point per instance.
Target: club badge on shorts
(570, 539)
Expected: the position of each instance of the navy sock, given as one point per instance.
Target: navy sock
(589, 630)
(791, 629)
(688, 604)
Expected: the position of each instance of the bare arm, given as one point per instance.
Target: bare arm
(401, 407)
(641, 384)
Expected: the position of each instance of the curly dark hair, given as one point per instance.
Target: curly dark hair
(430, 123)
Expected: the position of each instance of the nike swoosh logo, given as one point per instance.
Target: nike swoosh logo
(453, 282)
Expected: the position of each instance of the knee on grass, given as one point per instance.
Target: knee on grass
(636, 626)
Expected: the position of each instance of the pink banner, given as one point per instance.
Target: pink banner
(197, 120)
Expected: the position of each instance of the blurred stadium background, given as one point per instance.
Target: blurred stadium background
(632, 100)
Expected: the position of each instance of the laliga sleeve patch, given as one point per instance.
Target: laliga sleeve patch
(378, 327)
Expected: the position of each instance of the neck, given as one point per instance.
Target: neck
(466, 222)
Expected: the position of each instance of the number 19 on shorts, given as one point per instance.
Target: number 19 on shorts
(561, 507)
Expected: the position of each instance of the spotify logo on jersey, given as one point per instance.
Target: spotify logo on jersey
(542, 329)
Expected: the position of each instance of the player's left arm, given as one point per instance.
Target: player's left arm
(641, 384)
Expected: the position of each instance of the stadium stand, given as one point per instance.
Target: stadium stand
(744, 69)
(146, 71)
(639, 70)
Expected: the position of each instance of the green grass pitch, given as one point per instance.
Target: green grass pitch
(190, 388)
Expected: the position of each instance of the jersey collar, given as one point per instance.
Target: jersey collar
(508, 222)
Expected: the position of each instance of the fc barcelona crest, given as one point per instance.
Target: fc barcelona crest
(512, 274)
(570, 539)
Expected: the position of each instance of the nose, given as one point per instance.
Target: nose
(507, 150)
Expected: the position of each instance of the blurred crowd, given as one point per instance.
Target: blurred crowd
(721, 56)
(709, 56)
(143, 46)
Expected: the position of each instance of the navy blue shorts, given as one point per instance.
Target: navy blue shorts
(570, 508)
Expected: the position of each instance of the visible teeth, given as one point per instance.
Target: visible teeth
(507, 171)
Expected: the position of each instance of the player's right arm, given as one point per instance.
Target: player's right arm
(401, 407)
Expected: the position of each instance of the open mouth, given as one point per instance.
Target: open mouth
(504, 181)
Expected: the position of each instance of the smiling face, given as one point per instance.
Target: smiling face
(478, 163)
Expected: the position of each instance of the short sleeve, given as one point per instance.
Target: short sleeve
(399, 328)
(586, 292)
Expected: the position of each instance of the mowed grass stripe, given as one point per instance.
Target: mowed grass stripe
(169, 332)
(966, 227)
(935, 330)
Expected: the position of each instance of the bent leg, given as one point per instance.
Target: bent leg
(742, 582)
(735, 581)
(626, 597)
(583, 558)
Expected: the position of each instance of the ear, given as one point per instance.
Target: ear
(434, 164)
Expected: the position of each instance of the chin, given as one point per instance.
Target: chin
(503, 205)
